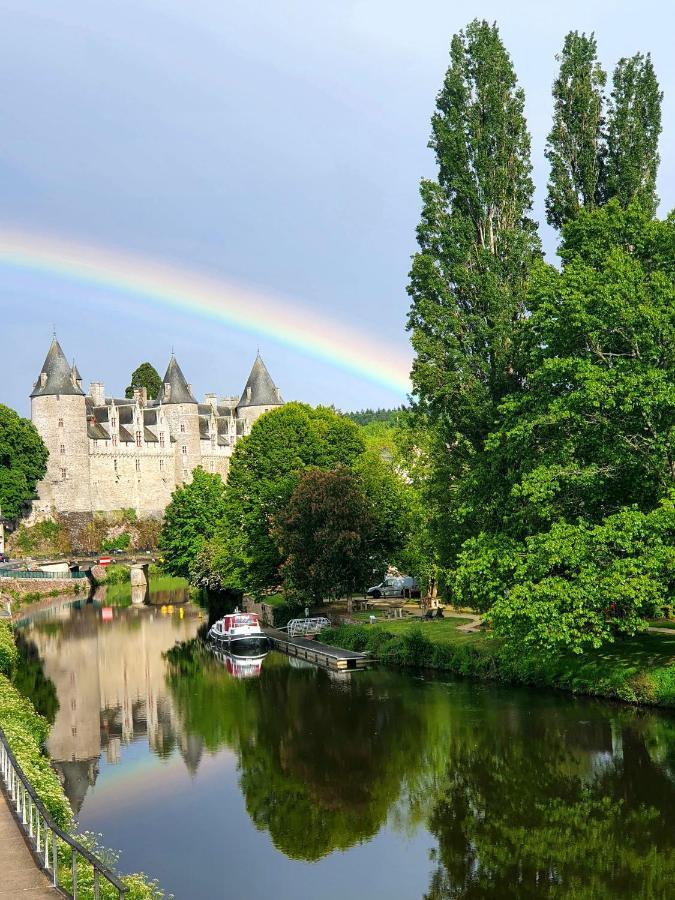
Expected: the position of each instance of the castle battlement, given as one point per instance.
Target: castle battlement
(108, 453)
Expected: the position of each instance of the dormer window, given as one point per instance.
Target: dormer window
(43, 379)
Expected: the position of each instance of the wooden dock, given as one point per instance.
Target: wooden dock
(315, 652)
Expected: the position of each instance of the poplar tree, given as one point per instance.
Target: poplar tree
(633, 130)
(575, 147)
(477, 244)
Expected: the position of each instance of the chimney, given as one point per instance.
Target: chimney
(97, 393)
(141, 395)
(211, 399)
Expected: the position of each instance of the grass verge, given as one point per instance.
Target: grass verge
(636, 670)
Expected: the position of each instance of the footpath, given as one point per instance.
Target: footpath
(20, 877)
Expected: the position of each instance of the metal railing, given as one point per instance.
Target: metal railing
(39, 574)
(43, 833)
(298, 627)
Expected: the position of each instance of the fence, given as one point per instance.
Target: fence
(44, 834)
(39, 574)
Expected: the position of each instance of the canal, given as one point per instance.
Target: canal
(286, 781)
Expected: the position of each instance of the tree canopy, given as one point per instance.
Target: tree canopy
(190, 520)
(145, 376)
(23, 462)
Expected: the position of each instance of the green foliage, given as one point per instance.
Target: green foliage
(117, 574)
(328, 537)
(8, 653)
(190, 520)
(119, 542)
(23, 462)
(575, 586)
(370, 416)
(263, 473)
(633, 131)
(26, 732)
(145, 376)
(46, 538)
(575, 147)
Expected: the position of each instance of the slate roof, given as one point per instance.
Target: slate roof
(126, 414)
(97, 432)
(204, 428)
(260, 390)
(59, 375)
(149, 436)
(180, 391)
(126, 436)
(150, 416)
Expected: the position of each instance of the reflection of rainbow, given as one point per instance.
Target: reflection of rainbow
(191, 292)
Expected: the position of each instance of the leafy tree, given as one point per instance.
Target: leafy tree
(263, 473)
(23, 462)
(634, 127)
(145, 376)
(369, 416)
(327, 535)
(575, 147)
(190, 520)
(468, 281)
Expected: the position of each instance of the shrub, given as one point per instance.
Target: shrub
(116, 574)
(121, 542)
(9, 655)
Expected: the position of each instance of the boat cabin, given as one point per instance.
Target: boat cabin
(232, 623)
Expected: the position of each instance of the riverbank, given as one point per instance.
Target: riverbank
(637, 670)
(26, 732)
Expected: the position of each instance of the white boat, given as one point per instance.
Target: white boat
(240, 633)
(241, 666)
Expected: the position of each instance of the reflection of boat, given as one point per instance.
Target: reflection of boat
(240, 633)
(241, 666)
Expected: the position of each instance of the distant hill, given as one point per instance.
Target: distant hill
(366, 416)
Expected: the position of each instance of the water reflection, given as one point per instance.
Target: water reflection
(516, 793)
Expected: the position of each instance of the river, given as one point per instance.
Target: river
(290, 782)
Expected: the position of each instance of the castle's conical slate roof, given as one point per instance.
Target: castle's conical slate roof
(180, 390)
(59, 375)
(260, 390)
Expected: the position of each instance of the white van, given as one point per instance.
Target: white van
(395, 586)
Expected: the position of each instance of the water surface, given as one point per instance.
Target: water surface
(295, 783)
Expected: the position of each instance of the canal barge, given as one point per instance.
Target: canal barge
(240, 633)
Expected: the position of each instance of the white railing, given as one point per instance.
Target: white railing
(300, 627)
(43, 834)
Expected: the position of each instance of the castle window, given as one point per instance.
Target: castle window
(63, 474)
(114, 440)
(182, 427)
(113, 423)
(212, 465)
(185, 474)
(60, 423)
(184, 450)
(213, 440)
(138, 465)
(115, 464)
(161, 439)
(161, 465)
(138, 438)
(62, 448)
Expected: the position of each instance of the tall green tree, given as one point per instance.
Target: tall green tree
(190, 520)
(263, 473)
(477, 245)
(327, 535)
(633, 130)
(23, 462)
(575, 148)
(145, 376)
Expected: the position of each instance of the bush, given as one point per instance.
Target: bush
(116, 574)
(9, 655)
(121, 542)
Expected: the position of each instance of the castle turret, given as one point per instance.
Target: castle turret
(58, 412)
(260, 393)
(182, 413)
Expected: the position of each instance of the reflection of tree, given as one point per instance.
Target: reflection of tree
(321, 765)
(541, 815)
(31, 680)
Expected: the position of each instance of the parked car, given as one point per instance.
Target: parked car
(3, 558)
(395, 586)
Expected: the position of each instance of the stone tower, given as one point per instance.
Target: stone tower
(58, 412)
(182, 414)
(259, 396)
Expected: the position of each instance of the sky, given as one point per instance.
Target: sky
(274, 149)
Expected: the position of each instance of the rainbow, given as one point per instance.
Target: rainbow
(252, 311)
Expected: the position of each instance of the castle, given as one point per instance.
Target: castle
(108, 454)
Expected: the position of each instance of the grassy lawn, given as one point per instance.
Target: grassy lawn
(438, 631)
(663, 623)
